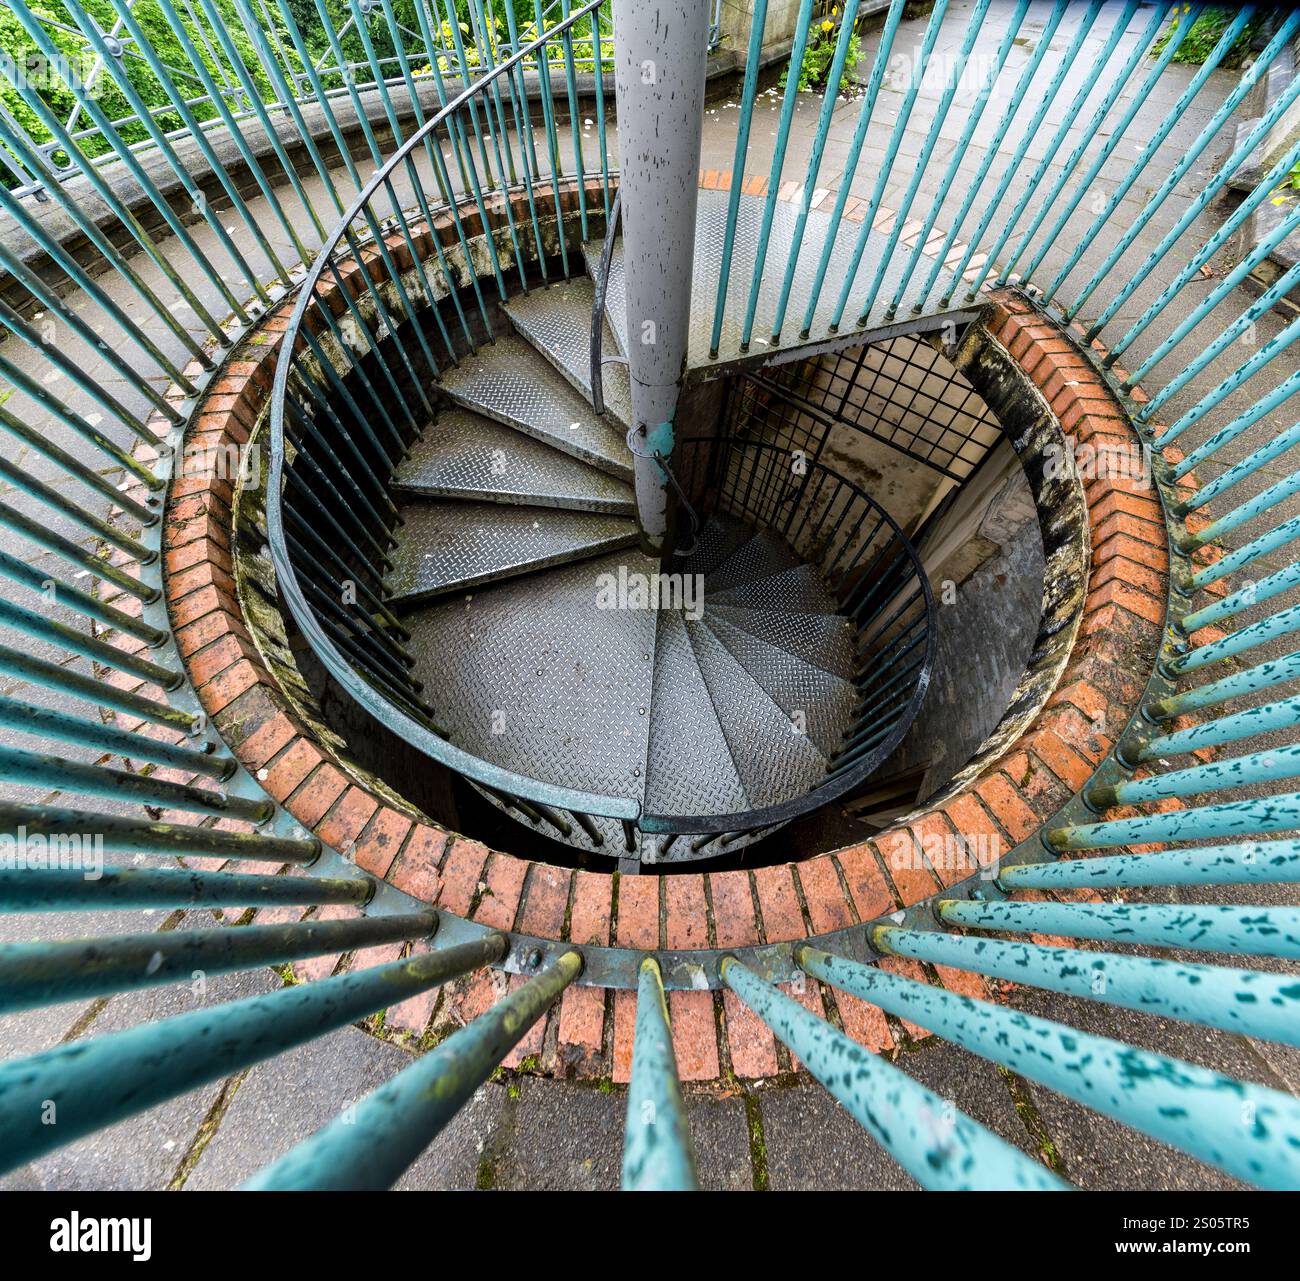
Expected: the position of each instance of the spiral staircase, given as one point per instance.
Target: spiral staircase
(549, 563)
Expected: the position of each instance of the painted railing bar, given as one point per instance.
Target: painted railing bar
(1198, 1111)
(95, 1083)
(195, 131)
(1115, 133)
(1246, 1002)
(1251, 863)
(1280, 40)
(376, 486)
(75, 422)
(830, 99)
(1266, 675)
(16, 140)
(919, 67)
(973, 117)
(1248, 466)
(57, 592)
(105, 486)
(380, 1137)
(543, 71)
(938, 119)
(865, 112)
(1207, 193)
(122, 215)
(1268, 766)
(575, 120)
(68, 681)
(1231, 818)
(86, 284)
(1224, 729)
(1239, 376)
(599, 76)
(119, 835)
(36, 974)
(1245, 931)
(939, 1146)
(1019, 96)
(802, 24)
(24, 480)
(1275, 626)
(528, 145)
(1243, 599)
(341, 389)
(1259, 307)
(1065, 69)
(72, 641)
(51, 723)
(74, 370)
(321, 547)
(74, 554)
(657, 1151)
(1269, 541)
(343, 477)
(36, 769)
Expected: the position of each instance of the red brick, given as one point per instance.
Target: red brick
(686, 925)
(460, 873)
(347, 819)
(590, 919)
(288, 772)
(865, 1023)
(750, 1042)
(778, 903)
(377, 849)
(263, 743)
(828, 905)
(695, 1037)
(872, 895)
(311, 802)
(416, 870)
(638, 911)
(733, 909)
(503, 887)
(581, 1031)
(546, 901)
(978, 835)
(1008, 807)
(903, 862)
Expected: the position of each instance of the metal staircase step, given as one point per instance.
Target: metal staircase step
(532, 676)
(453, 546)
(812, 698)
(557, 321)
(689, 769)
(719, 537)
(761, 556)
(509, 381)
(824, 640)
(464, 455)
(776, 763)
(616, 294)
(800, 590)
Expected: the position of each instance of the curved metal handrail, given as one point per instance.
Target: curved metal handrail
(339, 667)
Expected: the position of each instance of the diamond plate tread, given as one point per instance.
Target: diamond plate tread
(557, 321)
(720, 536)
(798, 590)
(710, 236)
(616, 294)
(824, 703)
(824, 640)
(762, 556)
(775, 762)
(452, 546)
(565, 685)
(689, 769)
(509, 381)
(464, 455)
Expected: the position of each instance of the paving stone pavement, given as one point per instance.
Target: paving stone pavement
(520, 1131)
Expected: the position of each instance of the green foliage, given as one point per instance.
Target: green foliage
(1204, 35)
(21, 59)
(819, 53)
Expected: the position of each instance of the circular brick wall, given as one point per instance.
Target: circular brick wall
(1110, 653)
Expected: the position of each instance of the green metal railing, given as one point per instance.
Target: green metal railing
(97, 676)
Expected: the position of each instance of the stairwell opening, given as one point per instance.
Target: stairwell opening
(897, 418)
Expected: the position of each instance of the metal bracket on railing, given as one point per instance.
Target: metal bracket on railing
(598, 304)
(658, 456)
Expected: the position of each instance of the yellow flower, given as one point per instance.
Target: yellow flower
(828, 25)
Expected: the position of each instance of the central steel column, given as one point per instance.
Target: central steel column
(660, 49)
